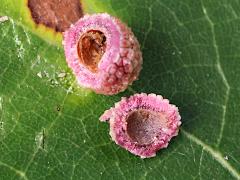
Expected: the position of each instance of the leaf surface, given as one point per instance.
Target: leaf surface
(49, 126)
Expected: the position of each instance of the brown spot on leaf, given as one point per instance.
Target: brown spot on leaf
(56, 14)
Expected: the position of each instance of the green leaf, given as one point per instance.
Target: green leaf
(49, 126)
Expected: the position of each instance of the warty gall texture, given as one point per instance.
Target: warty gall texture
(143, 123)
(103, 53)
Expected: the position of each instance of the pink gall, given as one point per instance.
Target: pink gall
(103, 53)
(143, 124)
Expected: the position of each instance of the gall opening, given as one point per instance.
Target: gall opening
(143, 126)
(91, 47)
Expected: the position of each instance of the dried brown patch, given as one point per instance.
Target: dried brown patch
(56, 14)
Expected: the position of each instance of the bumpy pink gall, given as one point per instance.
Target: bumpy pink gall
(103, 53)
(143, 124)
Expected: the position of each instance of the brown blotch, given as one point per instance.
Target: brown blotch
(145, 125)
(91, 47)
(56, 14)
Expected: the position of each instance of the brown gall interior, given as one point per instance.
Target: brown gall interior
(91, 47)
(145, 125)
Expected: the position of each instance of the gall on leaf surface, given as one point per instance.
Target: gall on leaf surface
(191, 56)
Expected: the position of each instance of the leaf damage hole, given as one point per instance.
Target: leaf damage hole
(3, 19)
(58, 108)
(40, 139)
(1, 117)
(143, 126)
(55, 14)
(1, 126)
(91, 47)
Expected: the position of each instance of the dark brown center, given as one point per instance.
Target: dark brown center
(91, 47)
(56, 14)
(145, 125)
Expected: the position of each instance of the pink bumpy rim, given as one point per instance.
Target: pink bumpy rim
(121, 63)
(118, 125)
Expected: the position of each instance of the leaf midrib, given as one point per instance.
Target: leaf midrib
(214, 153)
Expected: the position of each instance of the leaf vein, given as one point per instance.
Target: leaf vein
(18, 172)
(214, 153)
(220, 71)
